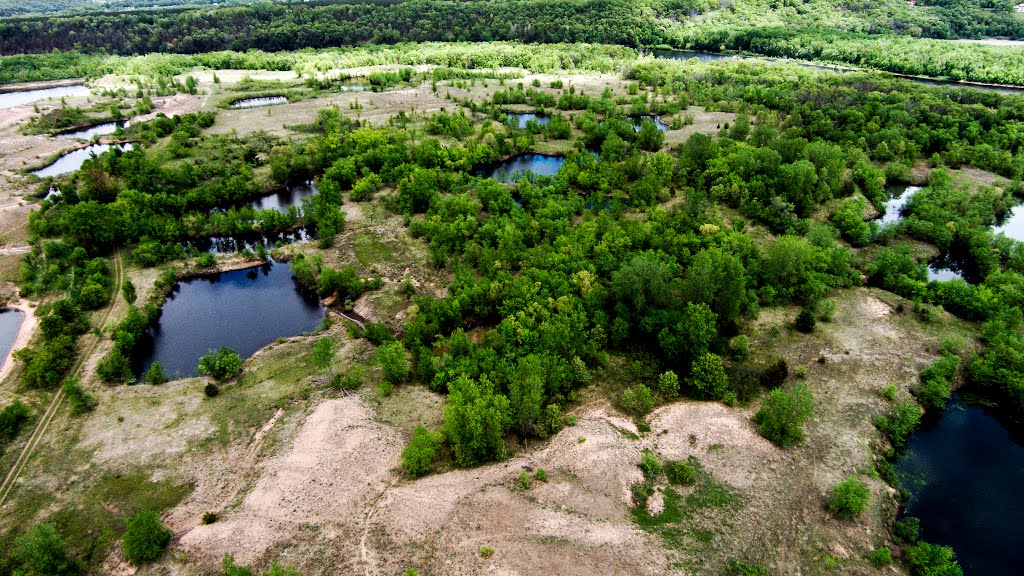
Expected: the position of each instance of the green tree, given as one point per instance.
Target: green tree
(708, 377)
(927, 559)
(805, 321)
(474, 421)
(783, 414)
(393, 362)
(668, 384)
(222, 364)
(128, 291)
(849, 499)
(42, 552)
(649, 138)
(526, 393)
(717, 279)
(145, 537)
(419, 453)
(156, 374)
(93, 296)
(637, 400)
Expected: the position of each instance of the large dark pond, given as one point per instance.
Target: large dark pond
(524, 163)
(10, 322)
(72, 161)
(965, 472)
(244, 310)
(97, 130)
(12, 99)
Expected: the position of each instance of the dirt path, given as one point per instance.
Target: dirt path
(44, 422)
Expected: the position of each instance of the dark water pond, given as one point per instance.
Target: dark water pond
(965, 472)
(285, 199)
(231, 244)
(97, 130)
(523, 119)
(244, 310)
(12, 99)
(638, 122)
(1013, 224)
(10, 322)
(524, 163)
(257, 102)
(894, 206)
(72, 161)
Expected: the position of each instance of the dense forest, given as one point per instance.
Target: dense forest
(873, 35)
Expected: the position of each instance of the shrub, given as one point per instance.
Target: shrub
(419, 453)
(524, 480)
(783, 413)
(156, 375)
(906, 530)
(210, 517)
(889, 392)
(11, 418)
(827, 310)
(741, 568)
(683, 472)
(668, 384)
(93, 296)
(223, 364)
(323, 352)
(880, 557)
(805, 321)
(739, 346)
(899, 423)
(637, 400)
(145, 537)
(934, 392)
(927, 559)
(541, 475)
(80, 401)
(114, 367)
(211, 390)
(393, 362)
(708, 377)
(650, 465)
(42, 551)
(128, 291)
(849, 499)
(486, 551)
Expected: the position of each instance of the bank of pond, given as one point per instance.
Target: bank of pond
(10, 324)
(259, 102)
(72, 161)
(964, 470)
(244, 310)
(88, 133)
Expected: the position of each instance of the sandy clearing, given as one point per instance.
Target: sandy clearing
(338, 460)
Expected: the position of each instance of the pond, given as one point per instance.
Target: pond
(72, 161)
(638, 122)
(964, 471)
(285, 199)
(10, 322)
(97, 130)
(257, 102)
(516, 166)
(244, 310)
(689, 54)
(942, 273)
(1013, 224)
(900, 195)
(251, 242)
(12, 99)
(524, 119)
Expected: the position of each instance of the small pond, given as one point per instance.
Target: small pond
(524, 163)
(244, 310)
(900, 195)
(10, 322)
(97, 130)
(524, 119)
(12, 99)
(285, 199)
(72, 161)
(1013, 224)
(689, 54)
(964, 471)
(252, 242)
(638, 122)
(257, 102)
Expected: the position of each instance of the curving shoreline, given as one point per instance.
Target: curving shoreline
(25, 333)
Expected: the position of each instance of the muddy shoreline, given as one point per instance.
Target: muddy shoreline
(41, 85)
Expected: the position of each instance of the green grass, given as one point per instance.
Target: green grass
(679, 520)
(370, 250)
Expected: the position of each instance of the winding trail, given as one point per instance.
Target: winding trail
(44, 422)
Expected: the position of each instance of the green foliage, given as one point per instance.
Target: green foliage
(741, 568)
(475, 419)
(708, 378)
(805, 321)
(849, 220)
(783, 414)
(637, 400)
(650, 465)
(668, 384)
(849, 499)
(394, 364)
(223, 364)
(683, 472)
(740, 347)
(880, 557)
(145, 538)
(323, 352)
(899, 422)
(156, 374)
(114, 367)
(42, 552)
(419, 453)
(11, 419)
(211, 390)
(927, 559)
(128, 291)
(936, 381)
(80, 400)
